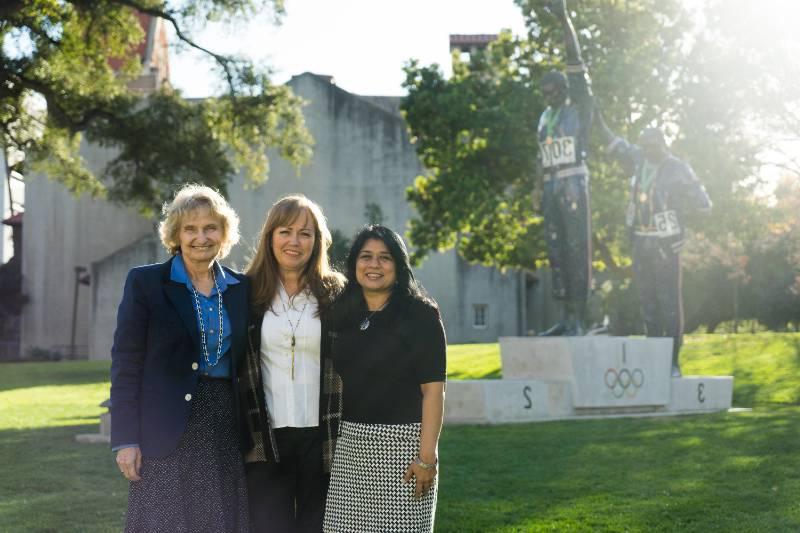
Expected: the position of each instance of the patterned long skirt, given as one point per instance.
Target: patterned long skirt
(367, 492)
(200, 487)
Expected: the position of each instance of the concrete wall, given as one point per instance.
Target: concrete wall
(499, 292)
(60, 233)
(108, 276)
(362, 156)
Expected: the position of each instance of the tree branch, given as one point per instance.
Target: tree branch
(223, 61)
(57, 111)
(8, 7)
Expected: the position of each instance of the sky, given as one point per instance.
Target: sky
(363, 44)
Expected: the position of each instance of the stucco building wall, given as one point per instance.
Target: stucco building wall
(362, 156)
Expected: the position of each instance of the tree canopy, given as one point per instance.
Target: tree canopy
(706, 78)
(58, 87)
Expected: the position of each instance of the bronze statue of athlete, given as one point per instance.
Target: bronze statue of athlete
(664, 190)
(563, 146)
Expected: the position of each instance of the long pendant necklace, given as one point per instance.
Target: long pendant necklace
(365, 323)
(294, 326)
(202, 324)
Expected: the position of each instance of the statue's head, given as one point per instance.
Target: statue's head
(653, 144)
(554, 88)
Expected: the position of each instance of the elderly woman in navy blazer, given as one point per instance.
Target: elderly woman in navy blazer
(181, 333)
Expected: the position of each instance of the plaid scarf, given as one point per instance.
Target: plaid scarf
(259, 427)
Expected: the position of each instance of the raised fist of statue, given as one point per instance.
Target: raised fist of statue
(557, 8)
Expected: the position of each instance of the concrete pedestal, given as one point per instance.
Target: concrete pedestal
(104, 437)
(507, 400)
(699, 394)
(603, 371)
(584, 377)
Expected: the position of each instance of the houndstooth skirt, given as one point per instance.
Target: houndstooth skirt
(201, 485)
(367, 493)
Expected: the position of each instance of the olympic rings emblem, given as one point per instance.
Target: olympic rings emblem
(624, 382)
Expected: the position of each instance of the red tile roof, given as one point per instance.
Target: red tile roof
(471, 39)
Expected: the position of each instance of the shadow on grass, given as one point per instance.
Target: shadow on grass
(715, 472)
(745, 390)
(78, 419)
(495, 374)
(796, 345)
(24, 375)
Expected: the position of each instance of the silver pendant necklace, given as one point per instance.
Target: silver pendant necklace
(365, 323)
(294, 326)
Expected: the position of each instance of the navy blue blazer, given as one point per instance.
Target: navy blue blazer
(157, 342)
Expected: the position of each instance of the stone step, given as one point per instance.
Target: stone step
(495, 401)
(498, 401)
(700, 394)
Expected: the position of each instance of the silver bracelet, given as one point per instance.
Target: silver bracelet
(425, 466)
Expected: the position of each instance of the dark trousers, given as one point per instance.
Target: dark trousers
(657, 272)
(289, 496)
(567, 225)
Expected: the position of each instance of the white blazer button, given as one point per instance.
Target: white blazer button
(188, 397)
(195, 366)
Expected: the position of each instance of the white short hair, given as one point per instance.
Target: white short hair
(188, 198)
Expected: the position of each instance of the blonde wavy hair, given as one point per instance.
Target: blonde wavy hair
(318, 276)
(189, 198)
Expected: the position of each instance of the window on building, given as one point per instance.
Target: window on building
(480, 316)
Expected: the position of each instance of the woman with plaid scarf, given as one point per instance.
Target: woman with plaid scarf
(291, 396)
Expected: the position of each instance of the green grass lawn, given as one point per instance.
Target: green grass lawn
(49, 482)
(721, 472)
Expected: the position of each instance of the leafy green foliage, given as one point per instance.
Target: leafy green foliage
(340, 246)
(373, 214)
(752, 276)
(59, 87)
(475, 134)
(651, 64)
(477, 195)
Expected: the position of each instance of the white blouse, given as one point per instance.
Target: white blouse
(292, 401)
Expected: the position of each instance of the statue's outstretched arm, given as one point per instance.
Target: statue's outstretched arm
(606, 133)
(559, 9)
(617, 147)
(580, 85)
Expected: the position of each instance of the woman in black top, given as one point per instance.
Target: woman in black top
(391, 354)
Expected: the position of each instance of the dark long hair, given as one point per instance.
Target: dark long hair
(350, 304)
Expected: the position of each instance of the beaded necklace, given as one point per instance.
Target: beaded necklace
(202, 324)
